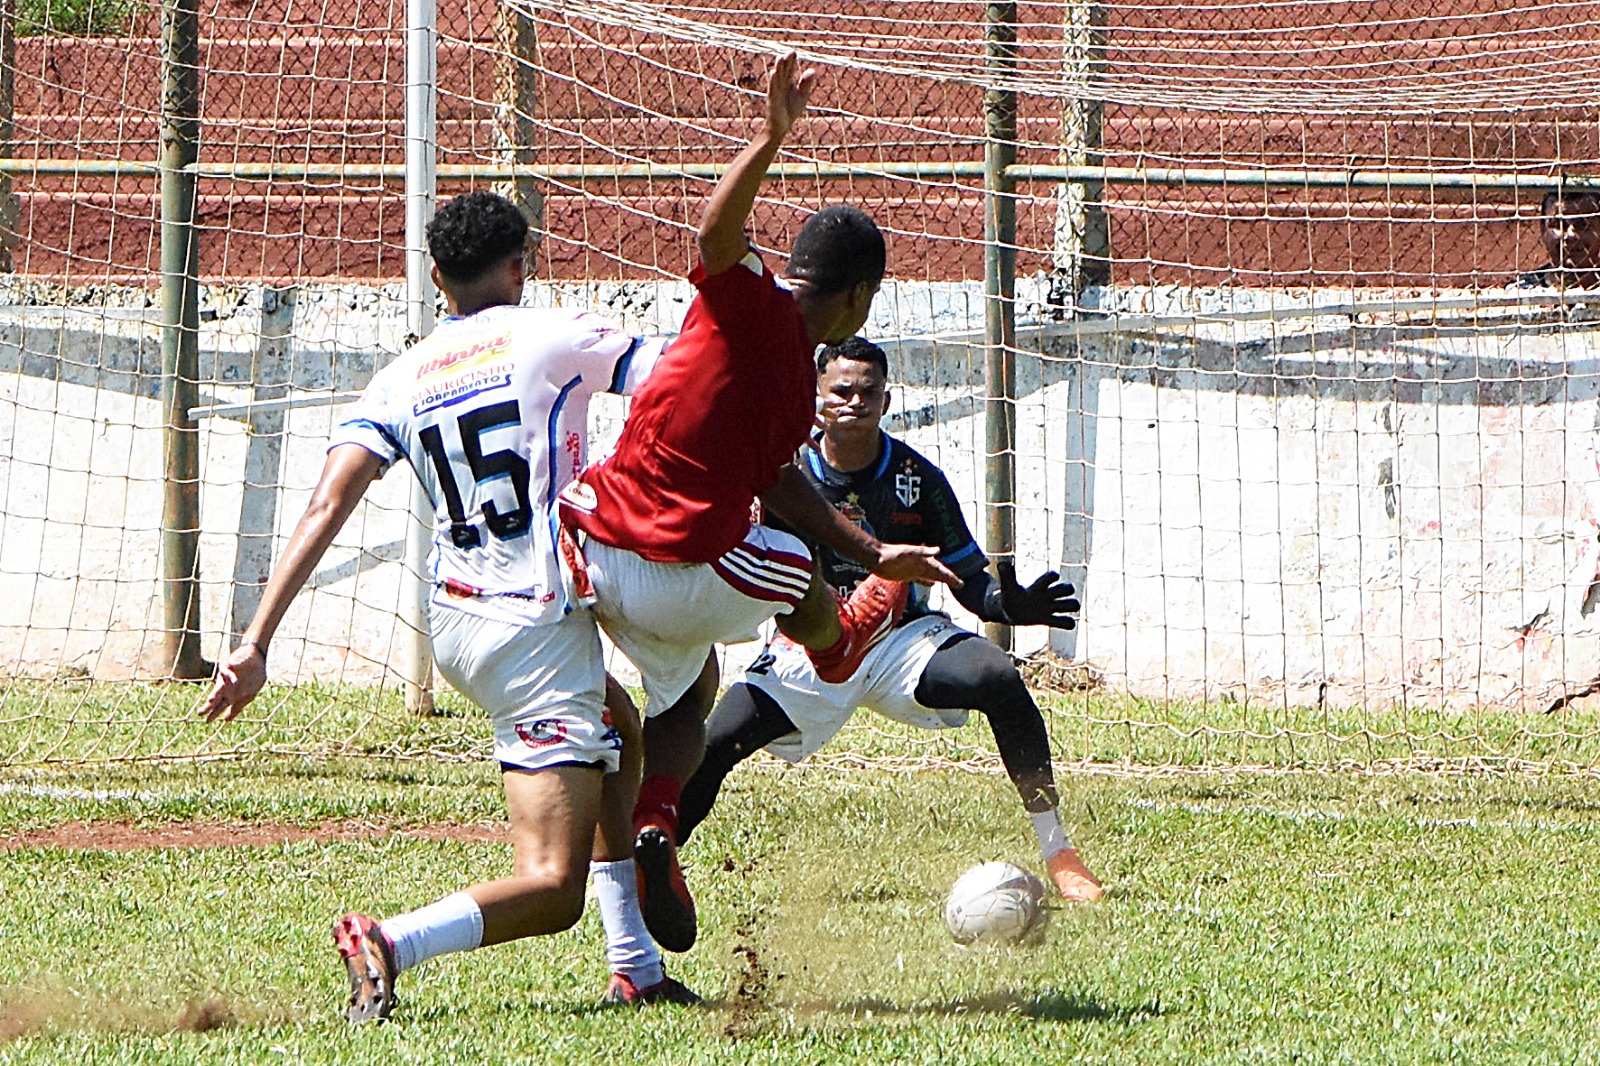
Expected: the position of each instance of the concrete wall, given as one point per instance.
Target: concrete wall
(1352, 508)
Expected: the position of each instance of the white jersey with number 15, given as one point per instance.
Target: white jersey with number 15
(492, 412)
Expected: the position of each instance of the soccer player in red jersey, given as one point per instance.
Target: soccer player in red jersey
(675, 562)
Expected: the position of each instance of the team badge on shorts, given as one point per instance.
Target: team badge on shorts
(545, 733)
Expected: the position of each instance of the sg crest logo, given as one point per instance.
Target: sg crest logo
(908, 487)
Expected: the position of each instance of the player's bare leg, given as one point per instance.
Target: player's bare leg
(637, 977)
(838, 633)
(674, 742)
(554, 813)
(613, 838)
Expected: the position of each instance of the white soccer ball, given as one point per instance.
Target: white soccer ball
(994, 902)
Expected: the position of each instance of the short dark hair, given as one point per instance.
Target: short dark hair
(475, 231)
(1547, 206)
(857, 349)
(837, 249)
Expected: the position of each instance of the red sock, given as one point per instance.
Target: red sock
(836, 650)
(839, 648)
(658, 804)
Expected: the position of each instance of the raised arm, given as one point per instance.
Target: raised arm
(722, 238)
(795, 500)
(348, 471)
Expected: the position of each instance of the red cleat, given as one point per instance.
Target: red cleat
(369, 963)
(866, 618)
(663, 894)
(623, 992)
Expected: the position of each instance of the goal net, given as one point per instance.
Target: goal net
(1296, 390)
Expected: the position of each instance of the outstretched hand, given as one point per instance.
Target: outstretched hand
(913, 562)
(1049, 601)
(788, 93)
(238, 681)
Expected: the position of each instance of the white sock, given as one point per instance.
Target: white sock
(1052, 838)
(453, 924)
(629, 948)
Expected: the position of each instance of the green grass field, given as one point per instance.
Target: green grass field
(1305, 915)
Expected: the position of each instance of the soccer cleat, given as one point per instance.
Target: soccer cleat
(1072, 878)
(663, 895)
(623, 992)
(866, 618)
(369, 963)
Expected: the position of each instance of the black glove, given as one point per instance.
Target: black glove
(1049, 601)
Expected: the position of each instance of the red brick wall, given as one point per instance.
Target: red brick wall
(300, 83)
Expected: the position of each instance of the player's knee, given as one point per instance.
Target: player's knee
(564, 909)
(556, 888)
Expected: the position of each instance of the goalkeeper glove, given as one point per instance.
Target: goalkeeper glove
(1049, 601)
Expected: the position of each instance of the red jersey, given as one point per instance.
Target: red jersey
(724, 410)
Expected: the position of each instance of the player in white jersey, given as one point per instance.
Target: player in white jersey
(490, 411)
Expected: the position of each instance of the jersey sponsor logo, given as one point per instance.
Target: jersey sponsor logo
(580, 495)
(908, 487)
(574, 449)
(481, 352)
(545, 733)
(905, 518)
(471, 382)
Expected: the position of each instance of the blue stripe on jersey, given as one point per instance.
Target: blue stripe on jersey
(551, 441)
(619, 375)
(550, 484)
(883, 464)
(972, 546)
(381, 431)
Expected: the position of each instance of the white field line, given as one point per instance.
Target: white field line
(67, 792)
(1311, 814)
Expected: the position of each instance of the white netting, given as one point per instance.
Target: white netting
(1283, 409)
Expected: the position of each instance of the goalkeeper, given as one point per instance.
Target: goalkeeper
(927, 672)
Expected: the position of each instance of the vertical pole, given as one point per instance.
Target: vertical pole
(519, 43)
(422, 41)
(1082, 261)
(1082, 238)
(180, 337)
(271, 373)
(999, 288)
(10, 214)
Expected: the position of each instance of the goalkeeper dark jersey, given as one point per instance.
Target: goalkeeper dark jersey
(900, 499)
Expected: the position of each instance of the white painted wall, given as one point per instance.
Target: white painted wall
(1353, 508)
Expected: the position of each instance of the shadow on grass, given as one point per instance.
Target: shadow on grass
(1046, 1007)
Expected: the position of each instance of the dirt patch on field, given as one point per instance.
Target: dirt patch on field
(122, 836)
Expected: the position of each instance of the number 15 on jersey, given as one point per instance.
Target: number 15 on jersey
(470, 471)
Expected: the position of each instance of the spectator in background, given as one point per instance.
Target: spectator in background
(1569, 224)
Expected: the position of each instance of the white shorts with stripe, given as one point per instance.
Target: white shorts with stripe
(543, 686)
(665, 617)
(885, 683)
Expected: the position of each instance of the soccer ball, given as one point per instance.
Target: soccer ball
(994, 902)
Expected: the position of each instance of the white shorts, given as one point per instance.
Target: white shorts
(543, 686)
(886, 683)
(665, 617)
